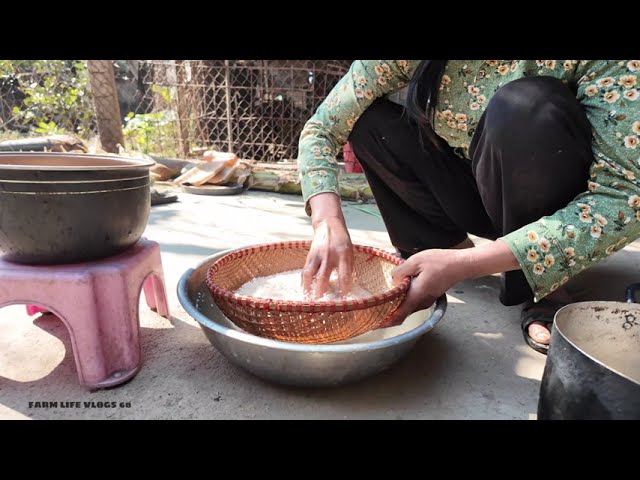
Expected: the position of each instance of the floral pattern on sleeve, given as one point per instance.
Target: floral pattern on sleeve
(606, 217)
(327, 131)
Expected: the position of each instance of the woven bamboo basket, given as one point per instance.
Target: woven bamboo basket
(304, 322)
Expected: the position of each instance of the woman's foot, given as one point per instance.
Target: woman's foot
(537, 319)
(540, 332)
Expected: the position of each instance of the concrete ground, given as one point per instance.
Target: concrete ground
(473, 365)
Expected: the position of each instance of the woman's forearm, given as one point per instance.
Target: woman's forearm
(325, 206)
(495, 257)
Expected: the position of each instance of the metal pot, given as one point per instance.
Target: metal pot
(62, 208)
(301, 364)
(593, 364)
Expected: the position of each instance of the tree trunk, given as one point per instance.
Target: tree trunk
(105, 99)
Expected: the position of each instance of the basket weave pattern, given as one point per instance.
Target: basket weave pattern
(304, 322)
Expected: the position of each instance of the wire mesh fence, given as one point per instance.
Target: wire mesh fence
(254, 108)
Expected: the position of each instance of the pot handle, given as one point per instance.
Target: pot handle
(630, 295)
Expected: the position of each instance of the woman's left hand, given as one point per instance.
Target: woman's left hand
(434, 272)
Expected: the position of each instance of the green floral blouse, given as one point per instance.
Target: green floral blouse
(597, 223)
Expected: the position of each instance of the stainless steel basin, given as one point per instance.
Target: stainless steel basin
(298, 364)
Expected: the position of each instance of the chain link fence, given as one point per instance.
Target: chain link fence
(254, 108)
(173, 108)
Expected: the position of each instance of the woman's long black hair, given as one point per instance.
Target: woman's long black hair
(422, 95)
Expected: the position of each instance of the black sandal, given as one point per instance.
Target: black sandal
(544, 312)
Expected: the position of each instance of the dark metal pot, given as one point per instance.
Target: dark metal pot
(593, 365)
(63, 208)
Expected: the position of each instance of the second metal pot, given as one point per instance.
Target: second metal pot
(62, 208)
(593, 366)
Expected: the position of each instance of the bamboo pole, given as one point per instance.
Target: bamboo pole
(183, 120)
(227, 88)
(352, 186)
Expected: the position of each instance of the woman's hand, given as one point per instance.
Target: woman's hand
(433, 272)
(331, 248)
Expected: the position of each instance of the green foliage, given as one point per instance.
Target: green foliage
(48, 128)
(56, 95)
(9, 135)
(151, 132)
(164, 92)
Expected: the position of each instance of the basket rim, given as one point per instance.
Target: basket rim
(302, 306)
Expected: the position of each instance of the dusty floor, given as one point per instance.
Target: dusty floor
(473, 365)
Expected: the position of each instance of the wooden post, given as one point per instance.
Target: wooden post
(227, 86)
(183, 120)
(105, 98)
(198, 101)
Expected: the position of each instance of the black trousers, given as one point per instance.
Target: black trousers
(530, 156)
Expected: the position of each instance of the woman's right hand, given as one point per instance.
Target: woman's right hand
(331, 248)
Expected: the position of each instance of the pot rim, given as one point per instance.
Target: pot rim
(567, 311)
(116, 162)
